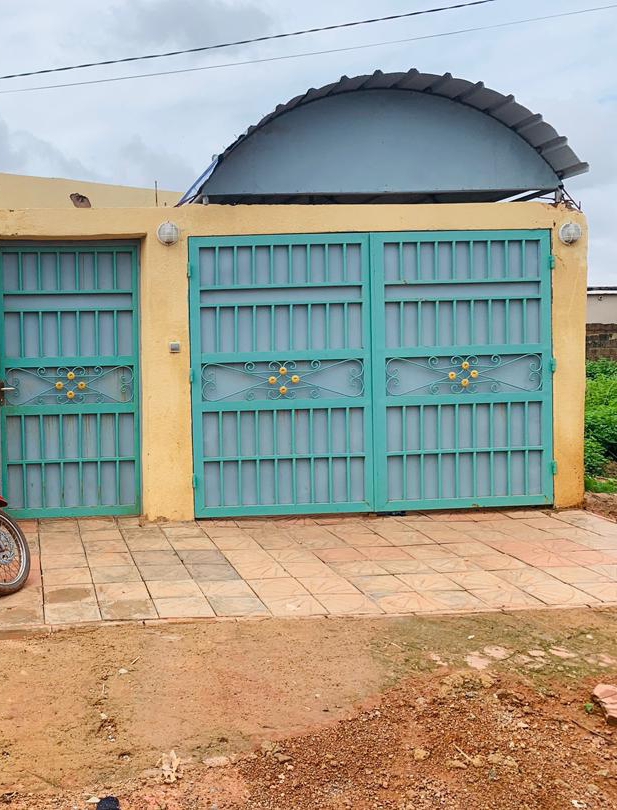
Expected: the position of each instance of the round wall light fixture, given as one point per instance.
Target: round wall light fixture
(570, 232)
(168, 233)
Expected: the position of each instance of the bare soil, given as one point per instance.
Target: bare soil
(484, 711)
(602, 503)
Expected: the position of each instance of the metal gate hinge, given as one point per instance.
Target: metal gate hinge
(554, 467)
(188, 269)
(551, 262)
(553, 364)
(194, 481)
(191, 375)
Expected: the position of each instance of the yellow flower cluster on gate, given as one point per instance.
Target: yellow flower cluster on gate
(81, 385)
(275, 379)
(465, 375)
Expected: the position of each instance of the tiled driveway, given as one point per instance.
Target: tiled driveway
(106, 569)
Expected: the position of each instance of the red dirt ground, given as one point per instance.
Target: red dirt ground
(388, 715)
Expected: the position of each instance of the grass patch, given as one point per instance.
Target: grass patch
(600, 423)
(608, 485)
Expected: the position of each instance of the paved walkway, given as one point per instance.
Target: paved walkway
(105, 569)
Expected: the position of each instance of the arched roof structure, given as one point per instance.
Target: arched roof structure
(392, 137)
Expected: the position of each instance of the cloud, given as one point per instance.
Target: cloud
(167, 128)
(185, 23)
(139, 165)
(22, 152)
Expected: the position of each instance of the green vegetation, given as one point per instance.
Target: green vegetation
(600, 425)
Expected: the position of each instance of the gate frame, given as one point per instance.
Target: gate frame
(195, 243)
(377, 241)
(64, 245)
(374, 325)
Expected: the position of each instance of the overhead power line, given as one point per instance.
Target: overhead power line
(266, 38)
(312, 53)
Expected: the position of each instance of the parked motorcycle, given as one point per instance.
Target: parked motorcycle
(14, 554)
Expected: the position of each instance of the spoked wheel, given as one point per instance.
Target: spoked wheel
(14, 556)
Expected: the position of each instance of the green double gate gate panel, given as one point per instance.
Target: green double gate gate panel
(371, 372)
(69, 426)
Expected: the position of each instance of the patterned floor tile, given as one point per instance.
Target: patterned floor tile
(406, 603)
(73, 613)
(68, 576)
(227, 588)
(603, 591)
(343, 565)
(429, 582)
(407, 566)
(450, 565)
(499, 598)
(66, 594)
(294, 606)
(187, 607)
(456, 600)
(238, 606)
(128, 610)
(111, 591)
(330, 584)
(574, 574)
(166, 589)
(348, 604)
(375, 586)
(276, 588)
(558, 593)
(359, 568)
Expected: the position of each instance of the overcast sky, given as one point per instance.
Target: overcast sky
(167, 128)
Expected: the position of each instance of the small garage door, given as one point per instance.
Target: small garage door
(69, 419)
(463, 369)
(280, 339)
(371, 372)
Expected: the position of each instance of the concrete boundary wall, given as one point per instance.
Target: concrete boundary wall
(166, 403)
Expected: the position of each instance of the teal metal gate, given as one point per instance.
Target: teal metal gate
(361, 372)
(280, 340)
(69, 425)
(463, 369)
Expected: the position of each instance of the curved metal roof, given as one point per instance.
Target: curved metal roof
(531, 127)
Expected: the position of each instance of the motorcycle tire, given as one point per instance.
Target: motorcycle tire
(14, 556)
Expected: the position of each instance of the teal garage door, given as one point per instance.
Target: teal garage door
(371, 372)
(463, 369)
(69, 425)
(280, 339)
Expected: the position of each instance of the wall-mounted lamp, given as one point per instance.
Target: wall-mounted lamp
(570, 232)
(168, 233)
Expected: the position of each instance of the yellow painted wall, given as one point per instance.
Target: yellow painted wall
(22, 191)
(166, 408)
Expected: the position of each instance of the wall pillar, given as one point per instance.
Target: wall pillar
(167, 454)
(569, 317)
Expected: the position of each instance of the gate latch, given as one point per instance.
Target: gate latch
(4, 388)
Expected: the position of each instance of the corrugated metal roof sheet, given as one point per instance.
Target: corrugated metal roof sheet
(530, 126)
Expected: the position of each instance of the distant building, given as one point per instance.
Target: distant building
(602, 305)
(601, 323)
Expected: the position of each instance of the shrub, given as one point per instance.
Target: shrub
(600, 415)
(601, 368)
(595, 457)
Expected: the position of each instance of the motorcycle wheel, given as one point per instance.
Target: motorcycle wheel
(14, 556)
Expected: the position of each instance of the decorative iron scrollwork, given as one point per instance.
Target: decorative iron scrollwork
(467, 374)
(74, 385)
(284, 379)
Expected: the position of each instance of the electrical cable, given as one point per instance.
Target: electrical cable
(249, 41)
(311, 53)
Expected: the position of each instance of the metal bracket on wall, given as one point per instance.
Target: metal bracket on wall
(554, 467)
